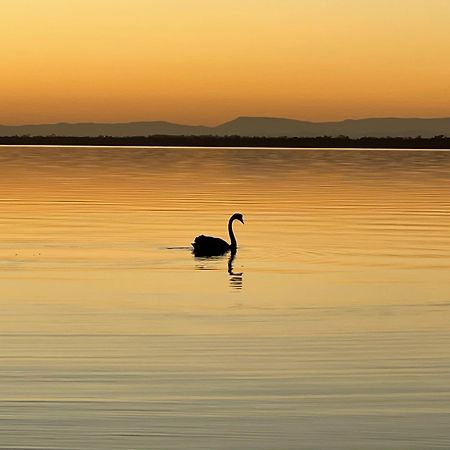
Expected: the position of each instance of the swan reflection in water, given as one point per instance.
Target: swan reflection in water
(235, 277)
(208, 263)
(211, 248)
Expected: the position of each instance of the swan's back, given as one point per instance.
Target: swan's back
(208, 246)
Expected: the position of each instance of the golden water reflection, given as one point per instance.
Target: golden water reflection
(330, 321)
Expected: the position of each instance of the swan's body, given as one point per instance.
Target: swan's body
(209, 246)
(212, 246)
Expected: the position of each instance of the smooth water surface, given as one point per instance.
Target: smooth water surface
(328, 331)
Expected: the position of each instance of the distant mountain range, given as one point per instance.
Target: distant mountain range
(245, 126)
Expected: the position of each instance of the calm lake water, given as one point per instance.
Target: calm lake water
(329, 331)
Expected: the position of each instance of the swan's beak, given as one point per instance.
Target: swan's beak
(241, 220)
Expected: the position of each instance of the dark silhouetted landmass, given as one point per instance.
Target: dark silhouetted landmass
(245, 127)
(436, 142)
(270, 127)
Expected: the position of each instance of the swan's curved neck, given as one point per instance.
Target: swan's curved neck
(233, 243)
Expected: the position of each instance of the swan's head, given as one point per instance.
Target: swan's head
(237, 216)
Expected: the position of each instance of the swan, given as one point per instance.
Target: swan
(212, 246)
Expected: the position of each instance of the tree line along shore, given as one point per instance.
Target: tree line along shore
(437, 142)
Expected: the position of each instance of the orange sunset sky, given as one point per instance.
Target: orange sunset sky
(208, 61)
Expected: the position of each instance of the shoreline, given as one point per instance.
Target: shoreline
(341, 142)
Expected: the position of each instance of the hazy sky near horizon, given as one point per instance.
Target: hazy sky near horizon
(207, 61)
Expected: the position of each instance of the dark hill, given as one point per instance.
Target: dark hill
(245, 126)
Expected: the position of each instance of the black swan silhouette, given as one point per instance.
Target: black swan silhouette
(212, 246)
